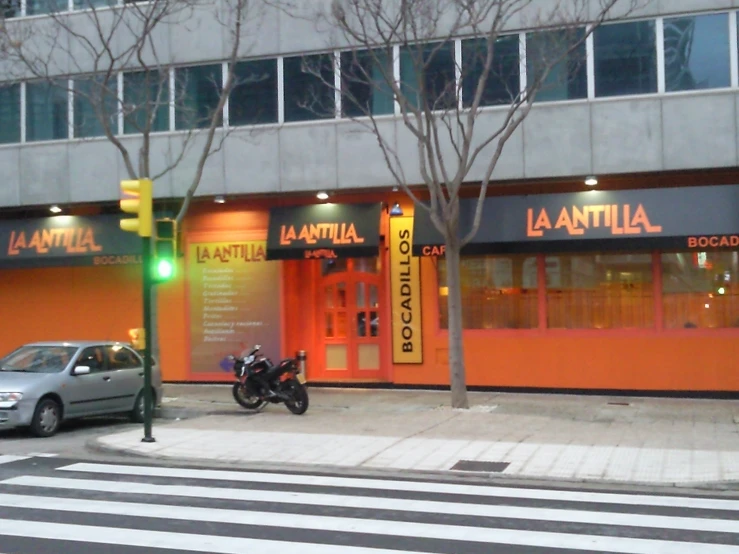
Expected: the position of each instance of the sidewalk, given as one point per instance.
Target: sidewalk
(584, 438)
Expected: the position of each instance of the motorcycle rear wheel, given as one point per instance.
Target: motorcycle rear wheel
(246, 400)
(298, 403)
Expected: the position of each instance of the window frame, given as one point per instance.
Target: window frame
(658, 328)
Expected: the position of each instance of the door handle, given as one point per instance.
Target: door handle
(106, 378)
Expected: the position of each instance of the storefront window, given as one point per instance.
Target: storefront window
(600, 291)
(498, 292)
(700, 289)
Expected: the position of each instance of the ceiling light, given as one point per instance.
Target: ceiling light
(591, 180)
(322, 195)
(219, 199)
(55, 210)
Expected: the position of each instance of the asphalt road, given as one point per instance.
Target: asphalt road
(71, 439)
(56, 505)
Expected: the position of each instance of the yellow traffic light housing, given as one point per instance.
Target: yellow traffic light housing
(165, 250)
(141, 204)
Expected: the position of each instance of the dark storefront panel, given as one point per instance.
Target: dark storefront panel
(324, 231)
(705, 218)
(67, 241)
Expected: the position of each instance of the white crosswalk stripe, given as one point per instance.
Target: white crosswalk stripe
(219, 511)
(9, 459)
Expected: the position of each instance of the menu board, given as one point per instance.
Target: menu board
(234, 302)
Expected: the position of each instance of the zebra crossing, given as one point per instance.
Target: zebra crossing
(106, 507)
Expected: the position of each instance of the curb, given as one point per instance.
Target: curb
(705, 487)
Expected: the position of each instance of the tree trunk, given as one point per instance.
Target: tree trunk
(454, 308)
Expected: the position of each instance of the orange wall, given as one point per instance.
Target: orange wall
(68, 303)
(87, 303)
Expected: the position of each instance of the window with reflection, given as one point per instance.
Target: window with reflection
(553, 51)
(253, 99)
(95, 102)
(364, 83)
(309, 92)
(10, 113)
(10, 8)
(597, 291)
(427, 72)
(93, 4)
(625, 56)
(334, 265)
(697, 52)
(145, 101)
(700, 289)
(503, 81)
(197, 92)
(46, 112)
(39, 7)
(498, 292)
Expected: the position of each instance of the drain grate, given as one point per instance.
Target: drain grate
(619, 404)
(487, 467)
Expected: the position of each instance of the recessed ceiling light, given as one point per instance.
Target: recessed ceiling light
(55, 210)
(591, 180)
(219, 200)
(322, 195)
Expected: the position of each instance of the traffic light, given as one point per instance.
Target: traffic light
(165, 250)
(140, 189)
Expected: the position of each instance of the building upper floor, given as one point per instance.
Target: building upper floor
(654, 92)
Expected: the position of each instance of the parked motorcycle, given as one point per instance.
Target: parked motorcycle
(259, 381)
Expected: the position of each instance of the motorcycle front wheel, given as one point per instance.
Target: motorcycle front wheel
(298, 402)
(245, 398)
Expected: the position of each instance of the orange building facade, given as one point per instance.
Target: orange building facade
(630, 290)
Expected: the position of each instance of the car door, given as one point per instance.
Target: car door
(89, 393)
(127, 375)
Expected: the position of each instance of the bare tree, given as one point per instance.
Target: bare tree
(101, 45)
(400, 60)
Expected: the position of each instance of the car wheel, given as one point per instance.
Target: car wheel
(46, 418)
(137, 414)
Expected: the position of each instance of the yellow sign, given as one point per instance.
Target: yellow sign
(405, 281)
(138, 338)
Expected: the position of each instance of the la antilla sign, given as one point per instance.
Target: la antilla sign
(618, 219)
(72, 240)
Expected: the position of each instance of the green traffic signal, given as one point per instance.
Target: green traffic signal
(165, 250)
(165, 269)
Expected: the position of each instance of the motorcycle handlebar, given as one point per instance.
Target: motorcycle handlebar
(253, 352)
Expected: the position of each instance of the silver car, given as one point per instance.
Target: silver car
(45, 383)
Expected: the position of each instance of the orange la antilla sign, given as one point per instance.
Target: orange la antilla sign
(73, 240)
(336, 233)
(619, 219)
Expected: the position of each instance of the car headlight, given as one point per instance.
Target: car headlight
(10, 396)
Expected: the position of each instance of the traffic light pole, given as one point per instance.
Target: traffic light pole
(147, 281)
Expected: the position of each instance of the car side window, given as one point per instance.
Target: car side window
(120, 357)
(93, 357)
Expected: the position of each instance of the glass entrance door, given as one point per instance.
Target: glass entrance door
(351, 324)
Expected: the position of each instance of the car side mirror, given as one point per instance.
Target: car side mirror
(81, 370)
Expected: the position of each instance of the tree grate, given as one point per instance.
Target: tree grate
(487, 467)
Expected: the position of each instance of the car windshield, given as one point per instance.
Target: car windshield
(38, 359)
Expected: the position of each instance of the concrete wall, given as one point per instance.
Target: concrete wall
(603, 136)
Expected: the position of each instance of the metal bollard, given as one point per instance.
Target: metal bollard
(301, 356)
